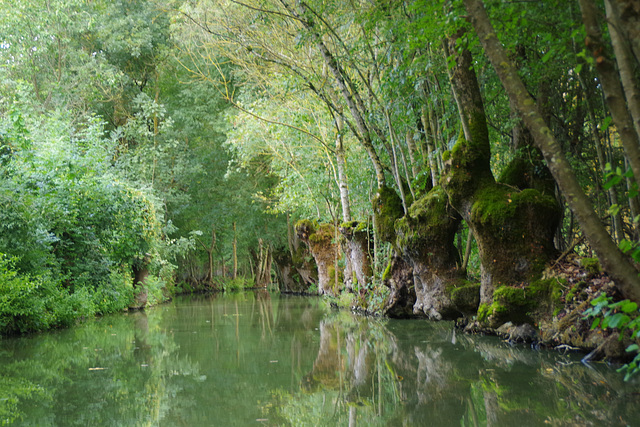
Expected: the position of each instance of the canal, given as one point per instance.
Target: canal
(255, 358)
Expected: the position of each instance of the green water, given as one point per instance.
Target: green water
(260, 359)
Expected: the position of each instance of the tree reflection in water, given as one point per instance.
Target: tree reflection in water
(377, 372)
(256, 358)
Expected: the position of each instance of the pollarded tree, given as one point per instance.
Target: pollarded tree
(514, 228)
(614, 262)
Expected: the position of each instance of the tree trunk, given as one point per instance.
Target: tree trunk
(341, 164)
(425, 239)
(622, 44)
(398, 277)
(611, 258)
(321, 243)
(612, 87)
(140, 274)
(235, 253)
(358, 238)
(514, 229)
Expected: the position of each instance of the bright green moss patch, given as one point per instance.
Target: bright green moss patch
(429, 225)
(387, 207)
(324, 233)
(386, 275)
(497, 204)
(431, 209)
(526, 218)
(522, 304)
(349, 224)
(484, 311)
(467, 169)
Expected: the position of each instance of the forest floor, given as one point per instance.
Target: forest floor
(568, 328)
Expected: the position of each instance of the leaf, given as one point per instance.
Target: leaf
(629, 306)
(614, 180)
(595, 323)
(633, 347)
(626, 246)
(618, 320)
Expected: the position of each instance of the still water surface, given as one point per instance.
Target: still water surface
(255, 359)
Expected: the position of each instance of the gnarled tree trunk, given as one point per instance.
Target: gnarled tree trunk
(321, 242)
(514, 229)
(425, 239)
(358, 239)
(611, 258)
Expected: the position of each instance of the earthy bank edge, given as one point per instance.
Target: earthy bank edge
(558, 320)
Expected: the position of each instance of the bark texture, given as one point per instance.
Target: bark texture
(357, 250)
(325, 250)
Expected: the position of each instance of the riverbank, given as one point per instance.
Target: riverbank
(562, 324)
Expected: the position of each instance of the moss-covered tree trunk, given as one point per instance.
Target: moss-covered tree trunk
(425, 239)
(358, 241)
(398, 277)
(514, 228)
(613, 260)
(322, 244)
(423, 275)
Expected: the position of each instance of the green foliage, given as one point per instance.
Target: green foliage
(29, 304)
(621, 316)
(238, 284)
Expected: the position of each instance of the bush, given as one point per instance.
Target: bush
(29, 304)
(238, 284)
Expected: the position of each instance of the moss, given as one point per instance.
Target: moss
(431, 209)
(513, 173)
(522, 305)
(592, 265)
(428, 230)
(446, 155)
(387, 208)
(422, 183)
(386, 275)
(323, 233)
(497, 204)
(362, 226)
(484, 311)
(349, 224)
(465, 296)
(527, 170)
(575, 291)
(306, 228)
(467, 169)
